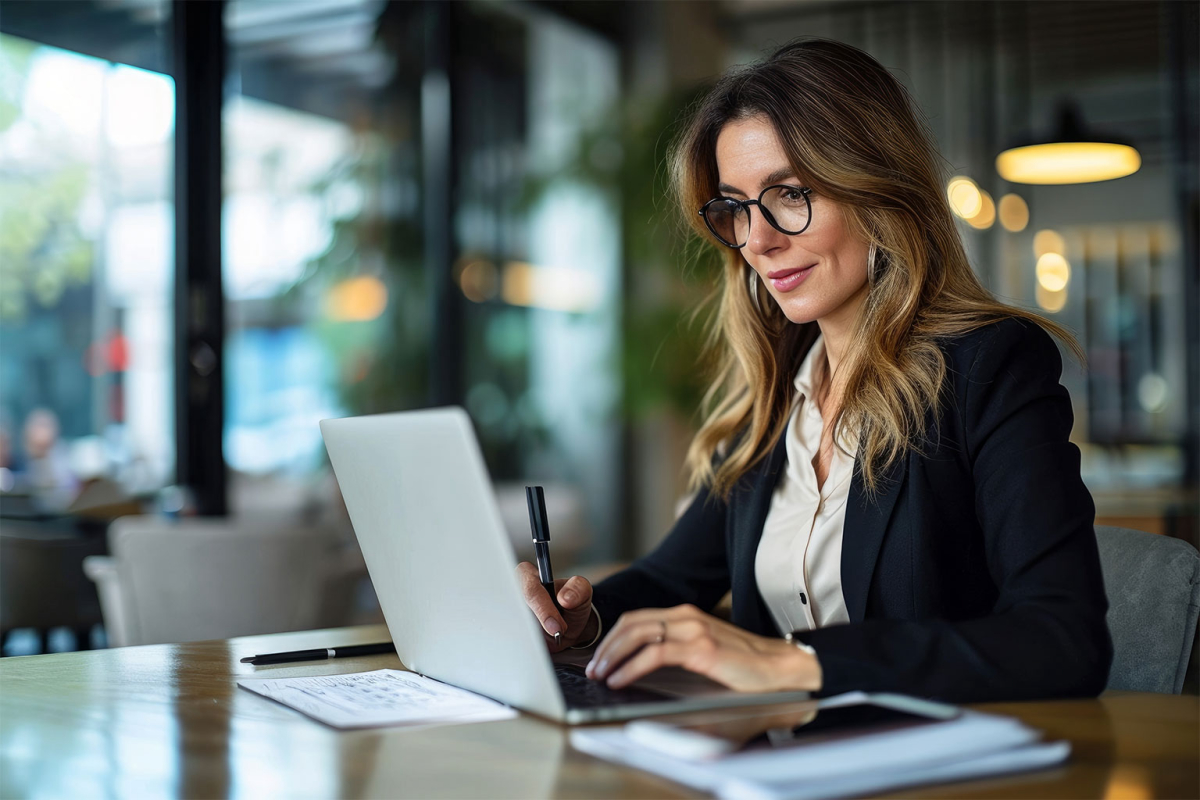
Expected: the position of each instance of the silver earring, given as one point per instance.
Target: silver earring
(752, 284)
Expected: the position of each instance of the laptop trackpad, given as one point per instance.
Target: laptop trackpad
(672, 681)
(678, 682)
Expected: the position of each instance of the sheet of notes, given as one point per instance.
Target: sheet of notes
(377, 698)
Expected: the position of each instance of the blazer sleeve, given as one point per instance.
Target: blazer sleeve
(689, 566)
(1046, 635)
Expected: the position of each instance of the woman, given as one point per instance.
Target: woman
(884, 476)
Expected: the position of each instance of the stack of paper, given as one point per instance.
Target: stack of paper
(968, 746)
(381, 697)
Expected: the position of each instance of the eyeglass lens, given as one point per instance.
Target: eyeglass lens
(785, 208)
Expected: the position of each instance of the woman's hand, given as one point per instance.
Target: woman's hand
(649, 638)
(577, 622)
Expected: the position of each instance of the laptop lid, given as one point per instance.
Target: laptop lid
(423, 510)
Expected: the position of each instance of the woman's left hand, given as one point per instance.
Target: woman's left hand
(684, 636)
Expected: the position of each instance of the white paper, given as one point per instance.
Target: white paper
(971, 745)
(1018, 759)
(380, 697)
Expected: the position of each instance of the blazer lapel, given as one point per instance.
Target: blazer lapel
(862, 534)
(753, 501)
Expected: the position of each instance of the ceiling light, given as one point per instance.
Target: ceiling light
(1072, 154)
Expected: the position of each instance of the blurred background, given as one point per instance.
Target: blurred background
(221, 222)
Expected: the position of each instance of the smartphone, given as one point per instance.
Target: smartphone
(835, 718)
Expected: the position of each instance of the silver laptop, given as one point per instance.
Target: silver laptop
(443, 567)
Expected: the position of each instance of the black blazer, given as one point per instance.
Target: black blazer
(973, 575)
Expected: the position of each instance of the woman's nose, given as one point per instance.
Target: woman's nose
(762, 237)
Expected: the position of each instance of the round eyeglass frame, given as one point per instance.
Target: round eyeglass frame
(770, 218)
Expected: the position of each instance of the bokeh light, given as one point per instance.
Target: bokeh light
(964, 196)
(1014, 213)
(1051, 301)
(1048, 241)
(357, 300)
(1053, 272)
(985, 217)
(478, 280)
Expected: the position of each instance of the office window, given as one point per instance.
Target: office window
(86, 232)
(538, 238)
(329, 301)
(322, 259)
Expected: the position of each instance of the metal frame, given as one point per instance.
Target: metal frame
(439, 154)
(198, 38)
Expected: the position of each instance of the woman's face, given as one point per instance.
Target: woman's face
(819, 274)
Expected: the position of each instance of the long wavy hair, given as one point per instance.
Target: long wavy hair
(851, 130)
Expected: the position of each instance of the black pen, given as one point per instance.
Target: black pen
(536, 500)
(322, 654)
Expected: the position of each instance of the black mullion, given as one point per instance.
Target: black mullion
(198, 37)
(440, 148)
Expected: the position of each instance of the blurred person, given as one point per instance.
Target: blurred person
(46, 470)
(883, 476)
(7, 479)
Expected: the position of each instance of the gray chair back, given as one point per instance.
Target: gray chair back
(1153, 587)
(42, 584)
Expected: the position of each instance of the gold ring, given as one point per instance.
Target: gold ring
(662, 637)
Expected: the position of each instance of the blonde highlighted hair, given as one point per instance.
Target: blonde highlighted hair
(850, 129)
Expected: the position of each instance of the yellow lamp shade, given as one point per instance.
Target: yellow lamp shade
(1068, 162)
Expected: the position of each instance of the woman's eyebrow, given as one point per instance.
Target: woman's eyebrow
(775, 177)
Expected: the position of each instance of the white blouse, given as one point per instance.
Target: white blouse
(799, 561)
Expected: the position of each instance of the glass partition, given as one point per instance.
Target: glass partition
(86, 273)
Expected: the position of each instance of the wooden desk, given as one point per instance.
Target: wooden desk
(166, 720)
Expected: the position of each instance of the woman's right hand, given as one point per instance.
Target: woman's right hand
(577, 623)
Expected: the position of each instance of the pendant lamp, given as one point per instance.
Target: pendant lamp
(1072, 155)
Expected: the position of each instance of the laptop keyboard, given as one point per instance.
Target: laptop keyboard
(580, 691)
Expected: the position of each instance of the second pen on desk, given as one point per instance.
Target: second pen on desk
(535, 498)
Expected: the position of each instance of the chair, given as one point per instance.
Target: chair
(1153, 587)
(214, 578)
(42, 585)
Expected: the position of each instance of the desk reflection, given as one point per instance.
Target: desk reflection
(202, 712)
(518, 758)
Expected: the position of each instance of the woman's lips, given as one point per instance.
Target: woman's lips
(785, 280)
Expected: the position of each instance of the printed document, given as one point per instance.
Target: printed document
(380, 697)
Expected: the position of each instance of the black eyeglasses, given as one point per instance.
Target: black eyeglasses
(787, 208)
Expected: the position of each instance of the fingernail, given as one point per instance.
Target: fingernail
(601, 667)
(567, 598)
(552, 626)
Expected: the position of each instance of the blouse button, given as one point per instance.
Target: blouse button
(803, 599)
